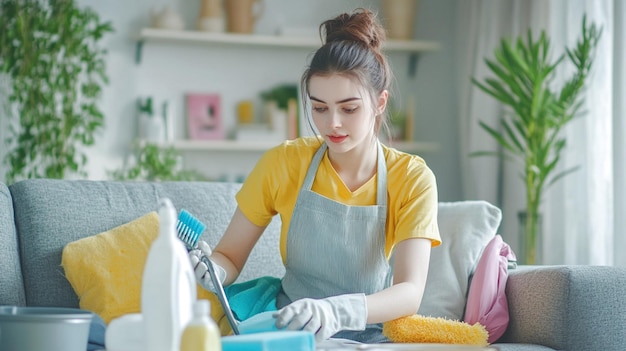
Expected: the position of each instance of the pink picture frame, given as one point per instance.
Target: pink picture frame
(204, 117)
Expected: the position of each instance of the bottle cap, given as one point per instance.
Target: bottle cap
(202, 308)
(167, 214)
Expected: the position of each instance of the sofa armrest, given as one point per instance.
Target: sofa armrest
(570, 307)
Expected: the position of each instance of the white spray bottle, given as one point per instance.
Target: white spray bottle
(168, 289)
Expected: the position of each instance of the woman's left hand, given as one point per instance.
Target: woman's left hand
(325, 317)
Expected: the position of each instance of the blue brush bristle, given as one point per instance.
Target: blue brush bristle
(189, 229)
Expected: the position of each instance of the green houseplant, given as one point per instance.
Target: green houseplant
(154, 163)
(49, 51)
(536, 113)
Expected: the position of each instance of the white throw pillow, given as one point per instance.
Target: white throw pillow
(466, 227)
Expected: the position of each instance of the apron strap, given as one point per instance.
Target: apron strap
(312, 171)
(381, 174)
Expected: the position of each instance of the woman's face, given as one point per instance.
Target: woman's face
(342, 112)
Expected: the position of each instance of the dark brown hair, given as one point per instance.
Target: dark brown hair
(352, 44)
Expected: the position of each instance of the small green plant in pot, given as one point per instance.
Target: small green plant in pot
(536, 113)
(397, 117)
(153, 163)
(50, 53)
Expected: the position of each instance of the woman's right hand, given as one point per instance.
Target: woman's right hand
(200, 269)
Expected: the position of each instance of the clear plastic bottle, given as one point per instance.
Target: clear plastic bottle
(202, 333)
(168, 285)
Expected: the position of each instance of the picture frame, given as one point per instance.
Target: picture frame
(204, 116)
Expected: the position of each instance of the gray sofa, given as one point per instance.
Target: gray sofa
(570, 308)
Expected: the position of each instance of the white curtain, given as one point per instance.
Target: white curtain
(583, 212)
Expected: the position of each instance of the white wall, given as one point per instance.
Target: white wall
(169, 71)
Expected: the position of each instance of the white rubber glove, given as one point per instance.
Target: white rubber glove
(325, 317)
(201, 270)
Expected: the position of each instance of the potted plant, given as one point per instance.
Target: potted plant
(397, 128)
(530, 130)
(153, 163)
(151, 125)
(49, 51)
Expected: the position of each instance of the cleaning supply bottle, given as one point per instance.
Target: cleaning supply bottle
(168, 288)
(202, 333)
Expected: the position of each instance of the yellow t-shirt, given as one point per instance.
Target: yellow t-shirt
(273, 186)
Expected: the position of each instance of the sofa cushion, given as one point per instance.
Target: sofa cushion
(11, 284)
(466, 227)
(49, 214)
(106, 270)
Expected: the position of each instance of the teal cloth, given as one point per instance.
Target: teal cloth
(252, 297)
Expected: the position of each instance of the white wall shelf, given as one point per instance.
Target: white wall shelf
(412, 47)
(261, 146)
(190, 36)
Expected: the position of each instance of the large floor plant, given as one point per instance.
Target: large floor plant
(531, 130)
(50, 54)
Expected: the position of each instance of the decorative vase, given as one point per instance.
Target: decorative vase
(151, 128)
(399, 18)
(530, 238)
(242, 15)
(167, 18)
(211, 18)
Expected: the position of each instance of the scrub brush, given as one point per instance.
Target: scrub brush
(189, 229)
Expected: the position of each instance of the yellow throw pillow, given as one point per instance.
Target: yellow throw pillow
(105, 270)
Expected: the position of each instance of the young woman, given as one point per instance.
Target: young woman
(358, 218)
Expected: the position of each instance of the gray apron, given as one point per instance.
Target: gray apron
(334, 249)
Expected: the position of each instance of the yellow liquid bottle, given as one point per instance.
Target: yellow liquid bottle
(201, 334)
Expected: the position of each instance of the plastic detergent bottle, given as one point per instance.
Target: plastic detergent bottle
(202, 333)
(168, 288)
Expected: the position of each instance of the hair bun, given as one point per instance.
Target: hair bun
(361, 26)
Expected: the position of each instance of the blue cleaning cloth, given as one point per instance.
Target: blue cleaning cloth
(253, 297)
(259, 323)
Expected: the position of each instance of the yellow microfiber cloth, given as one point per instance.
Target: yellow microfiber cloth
(434, 330)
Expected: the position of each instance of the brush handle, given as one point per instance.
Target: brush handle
(221, 295)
